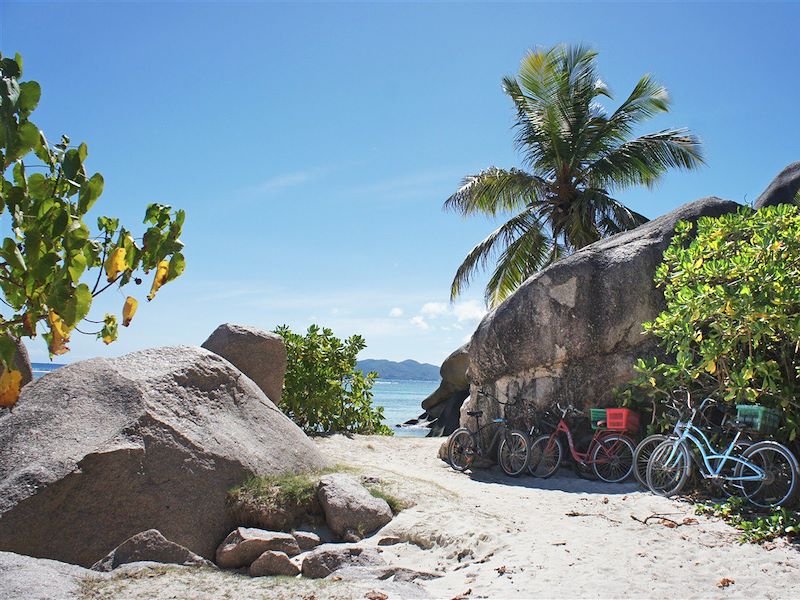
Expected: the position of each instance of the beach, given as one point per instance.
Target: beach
(485, 535)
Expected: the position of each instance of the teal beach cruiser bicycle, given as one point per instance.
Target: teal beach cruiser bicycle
(765, 473)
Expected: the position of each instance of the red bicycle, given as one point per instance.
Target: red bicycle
(610, 453)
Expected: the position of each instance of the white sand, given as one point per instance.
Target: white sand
(491, 536)
(515, 539)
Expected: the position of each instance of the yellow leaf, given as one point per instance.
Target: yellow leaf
(747, 374)
(728, 308)
(652, 381)
(107, 339)
(160, 278)
(10, 382)
(128, 310)
(698, 263)
(698, 337)
(115, 263)
(60, 334)
(711, 367)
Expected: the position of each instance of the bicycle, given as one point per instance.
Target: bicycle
(513, 451)
(766, 472)
(609, 454)
(645, 448)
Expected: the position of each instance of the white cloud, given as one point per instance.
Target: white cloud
(433, 310)
(419, 321)
(396, 312)
(471, 310)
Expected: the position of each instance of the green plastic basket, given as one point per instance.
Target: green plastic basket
(595, 415)
(760, 418)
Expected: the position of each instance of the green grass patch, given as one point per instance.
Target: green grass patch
(395, 503)
(756, 526)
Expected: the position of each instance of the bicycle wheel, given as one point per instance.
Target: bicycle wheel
(667, 476)
(642, 454)
(513, 453)
(549, 451)
(612, 458)
(779, 486)
(461, 449)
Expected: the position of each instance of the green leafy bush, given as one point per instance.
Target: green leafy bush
(323, 392)
(731, 328)
(47, 262)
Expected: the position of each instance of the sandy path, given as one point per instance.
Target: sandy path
(513, 538)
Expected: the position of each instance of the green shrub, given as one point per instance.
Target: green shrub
(731, 327)
(323, 392)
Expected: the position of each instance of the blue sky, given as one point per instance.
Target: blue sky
(312, 145)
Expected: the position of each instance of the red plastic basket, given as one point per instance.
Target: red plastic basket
(622, 419)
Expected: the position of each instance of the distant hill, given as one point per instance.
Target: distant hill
(407, 369)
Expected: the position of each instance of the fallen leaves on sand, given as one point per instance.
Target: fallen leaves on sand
(725, 582)
(501, 570)
(574, 513)
(463, 595)
(375, 595)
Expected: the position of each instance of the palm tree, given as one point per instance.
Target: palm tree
(575, 157)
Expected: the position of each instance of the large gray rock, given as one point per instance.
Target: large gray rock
(325, 559)
(259, 354)
(443, 405)
(100, 450)
(150, 546)
(783, 189)
(245, 544)
(27, 578)
(572, 332)
(23, 364)
(350, 510)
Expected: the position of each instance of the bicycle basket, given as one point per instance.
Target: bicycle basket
(760, 418)
(598, 418)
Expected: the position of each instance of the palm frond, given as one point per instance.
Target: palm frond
(495, 243)
(643, 160)
(523, 257)
(496, 190)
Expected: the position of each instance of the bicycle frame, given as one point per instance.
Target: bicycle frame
(689, 431)
(502, 429)
(581, 457)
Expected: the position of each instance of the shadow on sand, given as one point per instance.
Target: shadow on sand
(563, 481)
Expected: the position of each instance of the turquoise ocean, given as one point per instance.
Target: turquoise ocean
(400, 399)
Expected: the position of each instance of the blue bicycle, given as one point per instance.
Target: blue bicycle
(766, 472)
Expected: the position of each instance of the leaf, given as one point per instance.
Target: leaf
(12, 254)
(177, 265)
(115, 263)
(128, 310)
(77, 266)
(90, 192)
(29, 94)
(10, 382)
(77, 307)
(159, 279)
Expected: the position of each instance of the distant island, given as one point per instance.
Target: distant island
(407, 369)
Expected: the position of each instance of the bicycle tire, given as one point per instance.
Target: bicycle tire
(664, 480)
(516, 442)
(766, 495)
(642, 453)
(619, 449)
(461, 449)
(550, 456)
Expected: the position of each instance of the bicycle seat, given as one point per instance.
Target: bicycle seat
(475, 413)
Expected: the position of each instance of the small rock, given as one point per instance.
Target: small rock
(273, 563)
(389, 540)
(325, 559)
(245, 544)
(306, 539)
(149, 546)
(349, 506)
